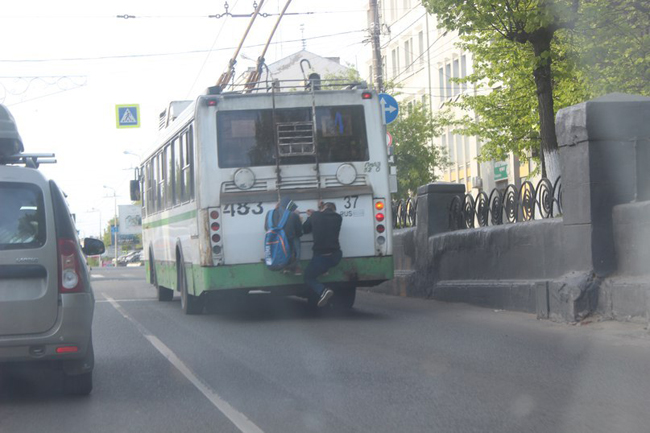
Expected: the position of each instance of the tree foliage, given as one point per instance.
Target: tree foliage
(416, 157)
(594, 47)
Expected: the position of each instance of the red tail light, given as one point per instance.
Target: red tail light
(379, 217)
(67, 349)
(366, 95)
(69, 267)
(381, 228)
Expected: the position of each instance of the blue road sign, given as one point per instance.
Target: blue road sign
(128, 116)
(389, 107)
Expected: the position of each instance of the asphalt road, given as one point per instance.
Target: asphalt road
(391, 365)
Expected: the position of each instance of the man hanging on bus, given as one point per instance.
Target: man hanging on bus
(325, 225)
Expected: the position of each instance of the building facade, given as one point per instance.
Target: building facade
(422, 59)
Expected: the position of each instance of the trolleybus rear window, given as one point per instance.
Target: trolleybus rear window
(247, 138)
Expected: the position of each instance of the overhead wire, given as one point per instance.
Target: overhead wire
(129, 56)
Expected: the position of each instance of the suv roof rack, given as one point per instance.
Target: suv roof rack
(30, 160)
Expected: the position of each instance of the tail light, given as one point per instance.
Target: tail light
(216, 238)
(379, 206)
(69, 267)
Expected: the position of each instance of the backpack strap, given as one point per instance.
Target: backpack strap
(285, 217)
(269, 220)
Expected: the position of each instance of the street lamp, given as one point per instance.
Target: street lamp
(115, 201)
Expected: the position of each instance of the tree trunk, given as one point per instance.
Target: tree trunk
(542, 74)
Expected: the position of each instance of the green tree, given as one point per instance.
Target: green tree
(612, 46)
(504, 110)
(416, 157)
(345, 77)
(530, 23)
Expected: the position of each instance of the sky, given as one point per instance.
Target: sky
(65, 65)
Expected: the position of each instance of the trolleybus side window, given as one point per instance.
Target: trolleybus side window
(148, 182)
(246, 137)
(169, 176)
(188, 165)
(178, 169)
(160, 179)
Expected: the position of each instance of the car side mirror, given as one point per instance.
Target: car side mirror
(134, 187)
(93, 247)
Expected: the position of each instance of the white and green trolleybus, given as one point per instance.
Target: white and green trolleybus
(227, 158)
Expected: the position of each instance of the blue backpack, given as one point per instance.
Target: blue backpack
(277, 251)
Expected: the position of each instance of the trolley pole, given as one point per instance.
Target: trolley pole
(375, 31)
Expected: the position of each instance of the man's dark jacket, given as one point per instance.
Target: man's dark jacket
(325, 226)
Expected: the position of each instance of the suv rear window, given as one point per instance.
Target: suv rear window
(22, 219)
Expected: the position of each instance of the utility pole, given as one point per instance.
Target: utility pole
(375, 31)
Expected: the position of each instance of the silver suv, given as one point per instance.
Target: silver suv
(46, 302)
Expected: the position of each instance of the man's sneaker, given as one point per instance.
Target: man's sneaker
(297, 271)
(325, 297)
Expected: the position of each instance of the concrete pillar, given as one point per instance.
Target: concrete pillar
(603, 147)
(434, 200)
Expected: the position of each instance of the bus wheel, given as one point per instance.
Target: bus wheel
(164, 294)
(344, 298)
(189, 303)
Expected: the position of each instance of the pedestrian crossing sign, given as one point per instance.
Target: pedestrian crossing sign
(128, 116)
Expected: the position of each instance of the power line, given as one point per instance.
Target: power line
(131, 56)
(209, 52)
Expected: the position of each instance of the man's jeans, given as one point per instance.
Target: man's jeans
(318, 265)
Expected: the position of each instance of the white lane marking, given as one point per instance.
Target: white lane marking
(237, 418)
(97, 276)
(100, 301)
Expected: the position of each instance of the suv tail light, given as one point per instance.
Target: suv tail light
(69, 275)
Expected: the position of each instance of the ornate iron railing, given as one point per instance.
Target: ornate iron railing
(510, 206)
(404, 211)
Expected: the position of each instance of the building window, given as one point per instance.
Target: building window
(407, 55)
(397, 57)
(393, 55)
(463, 70)
(421, 46)
(459, 150)
(456, 75)
(441, 77)
(467, 153)
(450, 144)
(448, 79)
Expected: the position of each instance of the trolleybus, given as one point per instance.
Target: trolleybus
(226, 159)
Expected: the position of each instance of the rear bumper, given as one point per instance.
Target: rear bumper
(72, 328)
(359, 271)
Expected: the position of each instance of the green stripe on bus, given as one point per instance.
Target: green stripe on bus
(172, 219)
(257, 275)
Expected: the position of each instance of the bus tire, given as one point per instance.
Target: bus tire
(189, 303)
(344, 298)
(164, 294)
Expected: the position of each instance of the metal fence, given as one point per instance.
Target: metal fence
(510, 206)
(404, 211)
